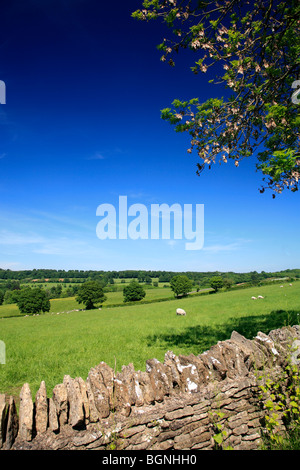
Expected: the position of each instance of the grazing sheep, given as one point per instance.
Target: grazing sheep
(291, 284)
(253, 298)
(260, 297)
(180, 311)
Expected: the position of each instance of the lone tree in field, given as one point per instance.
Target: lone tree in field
(216, 283)
(133, 292)
(90, 293)
(181, 285)
(252, 48)
(33, 300)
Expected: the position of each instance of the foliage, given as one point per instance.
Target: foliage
(254, 48)
(10, 297)
(133, 292)
(227, 283)
(11, 279)
(181, 285)
(219, 431)
(281, 398)
(216, 283)
(291, 441)
(32, 301)
(90, 293)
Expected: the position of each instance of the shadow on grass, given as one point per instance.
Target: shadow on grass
(200, 338)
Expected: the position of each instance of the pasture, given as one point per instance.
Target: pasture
(48, 346)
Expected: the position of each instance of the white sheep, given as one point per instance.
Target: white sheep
(260, 297)
(180, 311)
(253, 298)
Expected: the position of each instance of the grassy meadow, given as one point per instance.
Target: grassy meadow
(48, 346)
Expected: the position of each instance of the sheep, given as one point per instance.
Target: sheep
(253, 298)
(180, 311)
(260, 297)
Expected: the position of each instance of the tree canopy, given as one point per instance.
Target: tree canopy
(32, 301)
(181, 285)
(133, 292)
(254, 47)
(90, 293)
(216, 283)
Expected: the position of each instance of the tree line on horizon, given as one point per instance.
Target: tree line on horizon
(109, 277)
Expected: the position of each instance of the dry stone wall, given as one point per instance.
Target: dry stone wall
(172, 405)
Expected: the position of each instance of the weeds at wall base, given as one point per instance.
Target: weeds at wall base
(280, 398)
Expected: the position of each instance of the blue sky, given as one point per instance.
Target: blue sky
(81, 126)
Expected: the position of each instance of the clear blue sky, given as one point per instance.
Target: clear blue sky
(81, 126)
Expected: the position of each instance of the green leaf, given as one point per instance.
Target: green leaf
(218, 438)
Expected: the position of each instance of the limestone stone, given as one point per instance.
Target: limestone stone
(252, 354)
(144, 382)
(60, 400)
(239, 430)
(159, 379)
(12, 426)
(215, 364)
(187, 411)
(53, 418)
(93, 413)
(266, 343)
(283, 337)
(107, 374)
(25, 414)
(122, 396)
(295, 352)
(3, 411)
(126, 393)
(75, 402)
(41, 409)
(101, 394)
(84, 396)
(172, 364)
(193, 373)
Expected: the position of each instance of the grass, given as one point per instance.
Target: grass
(69, 303)
(291, 441)
(47, 347)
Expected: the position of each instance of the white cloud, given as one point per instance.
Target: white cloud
(227, 247)
(34, 243)
(218, 248)
(96, 156)
(10, 265)
(11, 238)
(62, 247)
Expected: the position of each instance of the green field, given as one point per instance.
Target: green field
(48, 346)
(69, 303)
